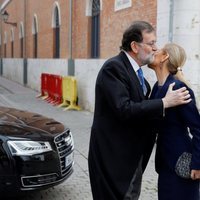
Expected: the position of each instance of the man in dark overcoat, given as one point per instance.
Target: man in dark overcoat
(121, 138)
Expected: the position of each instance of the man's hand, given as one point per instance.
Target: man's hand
(195, 174)
(176, 97)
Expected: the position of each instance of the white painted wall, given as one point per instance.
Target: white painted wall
(13, 69)
(38, 66)
(186, 32)
(163, 9)
(86, 72)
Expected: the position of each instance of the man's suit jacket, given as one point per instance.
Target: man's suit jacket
(121, 132)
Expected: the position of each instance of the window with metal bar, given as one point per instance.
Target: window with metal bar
(95, 29)
(56, 35)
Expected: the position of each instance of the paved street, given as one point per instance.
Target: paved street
(77, 187)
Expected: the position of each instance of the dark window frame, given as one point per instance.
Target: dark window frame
(35, 45)
(95, 29)
(5, 50)
(21, 47)
(35, 40)
(56, 36)
(12, 49)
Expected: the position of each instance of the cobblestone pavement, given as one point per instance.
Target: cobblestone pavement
(77, 187)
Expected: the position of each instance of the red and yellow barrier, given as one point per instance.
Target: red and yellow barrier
(44, 85)
(61, 91)
(69, 90)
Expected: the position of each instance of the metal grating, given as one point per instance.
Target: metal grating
(64, 150)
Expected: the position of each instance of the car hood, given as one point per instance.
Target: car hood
(14, 122)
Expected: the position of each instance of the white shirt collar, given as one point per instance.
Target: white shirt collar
(132, 61)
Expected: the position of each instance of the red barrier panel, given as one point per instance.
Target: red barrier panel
(58, 90)
(55, 89)
(44, 85)
(50, 88)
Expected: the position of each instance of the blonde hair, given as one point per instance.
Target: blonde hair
(177, 58)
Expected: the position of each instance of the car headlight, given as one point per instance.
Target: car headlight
(26, 148)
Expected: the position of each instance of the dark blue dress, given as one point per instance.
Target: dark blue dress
(178, 132)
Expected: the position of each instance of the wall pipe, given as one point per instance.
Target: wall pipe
(25, 65)
(70, 59)
(171, 21)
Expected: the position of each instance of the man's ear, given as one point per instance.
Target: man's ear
(165, 57)
(134, 46)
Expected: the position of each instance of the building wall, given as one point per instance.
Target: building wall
(80, 30)
(112, 25)
(13, 70)
(23, 12)
(86, 73)
(6, 28)
(185, 31)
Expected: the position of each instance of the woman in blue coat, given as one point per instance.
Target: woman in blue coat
(178, 131)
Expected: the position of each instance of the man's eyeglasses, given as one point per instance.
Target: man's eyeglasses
(151, 44)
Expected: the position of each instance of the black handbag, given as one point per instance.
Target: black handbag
(182, 167)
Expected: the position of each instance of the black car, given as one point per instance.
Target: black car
(36, 152)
